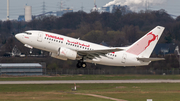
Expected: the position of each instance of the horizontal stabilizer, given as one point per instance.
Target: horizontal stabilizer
(150, 59)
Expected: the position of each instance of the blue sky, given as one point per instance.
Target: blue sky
(17, 6)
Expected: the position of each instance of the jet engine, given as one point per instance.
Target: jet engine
(64, 54)
(55, 55)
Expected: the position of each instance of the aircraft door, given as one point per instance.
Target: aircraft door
(40, 36)
(124, 57)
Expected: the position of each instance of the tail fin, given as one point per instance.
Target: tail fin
(144, 46)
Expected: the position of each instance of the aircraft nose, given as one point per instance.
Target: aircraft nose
(18, 36)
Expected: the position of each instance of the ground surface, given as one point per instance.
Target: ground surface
(63, 92)
(91, 92)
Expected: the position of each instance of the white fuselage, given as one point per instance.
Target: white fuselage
(51, 42)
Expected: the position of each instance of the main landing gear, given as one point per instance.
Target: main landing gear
(81, 64)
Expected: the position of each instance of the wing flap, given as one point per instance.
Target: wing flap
(97, 53)
(103, 51)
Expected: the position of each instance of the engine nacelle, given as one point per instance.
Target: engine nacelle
(64, 54)
(55, 55)
(67, 53)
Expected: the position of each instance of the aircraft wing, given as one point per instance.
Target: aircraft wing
(150, 59)
(90, 54)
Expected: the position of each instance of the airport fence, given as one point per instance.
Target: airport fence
(111, 72)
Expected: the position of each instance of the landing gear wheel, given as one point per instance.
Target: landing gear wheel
(83, 65)
(79, 64)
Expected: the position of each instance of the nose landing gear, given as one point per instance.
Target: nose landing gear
(31, 50)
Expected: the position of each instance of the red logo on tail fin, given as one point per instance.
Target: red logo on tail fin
(153, 39)
(142, 44)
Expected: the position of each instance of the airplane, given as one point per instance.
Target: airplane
(64, 48)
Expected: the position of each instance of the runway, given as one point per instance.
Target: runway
(88, 81)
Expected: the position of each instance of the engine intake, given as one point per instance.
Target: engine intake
(67, 53)
(55, 55)
(64, 54)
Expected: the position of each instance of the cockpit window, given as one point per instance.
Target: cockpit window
(28, 33)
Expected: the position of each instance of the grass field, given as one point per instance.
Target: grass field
(91, 77)
(62, 92)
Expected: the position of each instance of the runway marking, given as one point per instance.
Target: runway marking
(88, 81)
(100, 96)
